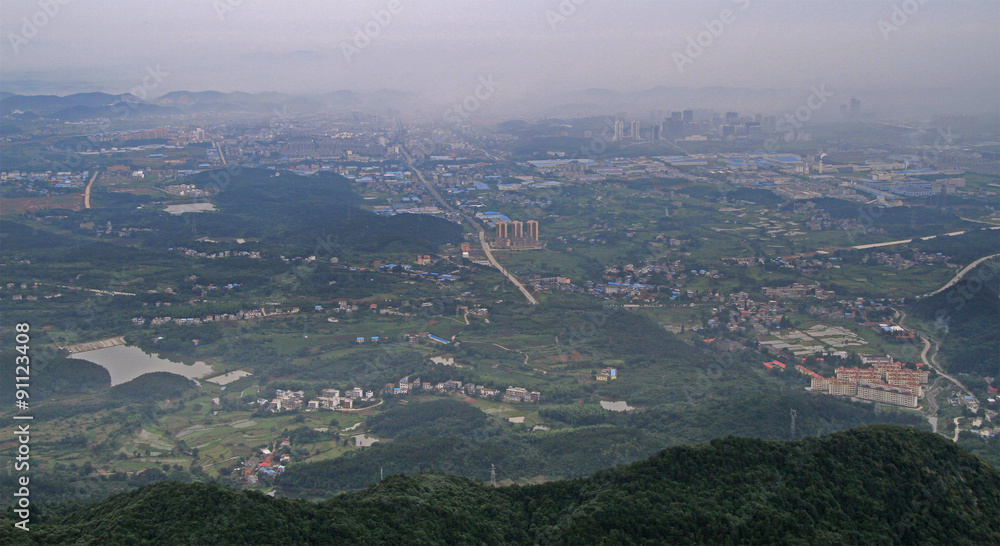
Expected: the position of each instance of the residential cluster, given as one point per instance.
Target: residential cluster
(245, 314)
(405, 386)
(757, 316)
(886, 381)
(798, 290)
(511, 394)
(639, 285)
(807, 262)
(40, 182)
(635, 285)
(329, 399)
(407, 270)
(606, 374)
(898, 262)
(519, 394)
(254, 254)
(263, 463)
(108, 230)
(186, 190)
(28, 297)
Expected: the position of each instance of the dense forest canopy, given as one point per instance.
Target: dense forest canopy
(878, 484)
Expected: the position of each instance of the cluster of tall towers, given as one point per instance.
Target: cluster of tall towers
(633, 130)
(516, 234)
(682, 123)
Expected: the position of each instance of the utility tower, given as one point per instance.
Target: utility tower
(793, 422)
(493, 475)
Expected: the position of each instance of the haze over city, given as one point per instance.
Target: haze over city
(902, 58)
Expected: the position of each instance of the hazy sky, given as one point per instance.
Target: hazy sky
(443, 46)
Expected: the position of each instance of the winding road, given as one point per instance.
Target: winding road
(960, 274)
(931, 391)
(933, 364)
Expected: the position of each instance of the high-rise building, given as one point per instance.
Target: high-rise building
(532, 229)
(619, 131)
(656, 131)
(518, 228)
(635, 130)
(732, 118)
(674, 128)
(689, 115)
(501, 230)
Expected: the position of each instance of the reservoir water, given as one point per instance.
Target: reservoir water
(125, 363)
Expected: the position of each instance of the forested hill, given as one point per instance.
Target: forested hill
(967, 318)
(878, 484)
(282, 206)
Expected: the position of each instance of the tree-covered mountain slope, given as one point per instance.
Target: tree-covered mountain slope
(878, 484)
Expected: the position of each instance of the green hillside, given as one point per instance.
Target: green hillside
(966, 319)
(879, 484)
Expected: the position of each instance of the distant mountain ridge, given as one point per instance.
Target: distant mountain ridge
(81, 106)
(642, 104)
(49, 104)
(879, 484)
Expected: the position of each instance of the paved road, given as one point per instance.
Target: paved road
(961, 274)
(222, 156)
(489, 256)
(933, 364)
(482, 233)
(904, 241)
(86, 194)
